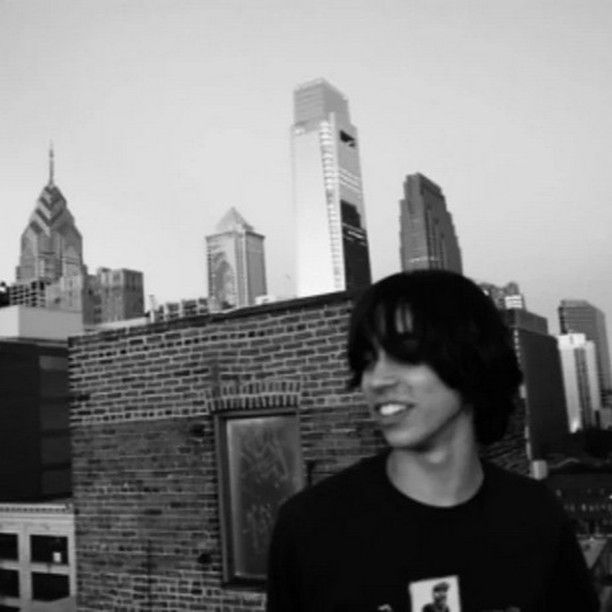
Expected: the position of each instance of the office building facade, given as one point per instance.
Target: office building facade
(541, 393)
(37, 557)
(119, 294)
(505, 297)
(170, 311)
(542, 389)
(580, 380)
(427, 234)
(330, 227)
(236, 263)
(35, 459)
(579, 316)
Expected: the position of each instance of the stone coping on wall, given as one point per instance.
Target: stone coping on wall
(201, 320)
(59, 507)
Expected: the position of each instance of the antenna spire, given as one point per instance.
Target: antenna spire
(51, 164)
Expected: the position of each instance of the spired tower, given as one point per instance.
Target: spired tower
(51, 244)
(51, 272)
(331, 240)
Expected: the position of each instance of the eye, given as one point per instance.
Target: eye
(406, 348)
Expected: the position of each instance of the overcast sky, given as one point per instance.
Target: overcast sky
(166, 113)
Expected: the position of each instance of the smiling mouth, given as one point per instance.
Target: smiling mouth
(391, 409)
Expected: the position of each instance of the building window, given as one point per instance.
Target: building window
(56, 481)
(49, 549)
(260, 466)
(54, 415)
(53, 383)
(9, 583)
(8, 546)
(8, 608)
(55, 449)
(348, 139)
(49, 587)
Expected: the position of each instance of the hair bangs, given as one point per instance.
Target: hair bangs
(386, 324)
(443, 320)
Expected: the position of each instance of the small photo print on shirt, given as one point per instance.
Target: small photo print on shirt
(435, 595)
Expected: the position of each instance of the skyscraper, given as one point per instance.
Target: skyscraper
(542, 390)
(580, 381)
(236, 265)
(51, 244)
(579, 316)
(541, 393)
(427, 234)
(331, 239)
(52, 274)
(506, 297)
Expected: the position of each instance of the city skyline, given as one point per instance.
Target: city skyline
(164, 116)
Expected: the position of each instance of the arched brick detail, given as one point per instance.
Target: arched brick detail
(255, 395)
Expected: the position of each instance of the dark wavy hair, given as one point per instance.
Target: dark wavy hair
(453, 327)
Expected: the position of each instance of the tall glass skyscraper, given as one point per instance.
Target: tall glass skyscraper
(331, 240)
(580, 381)
(427, 234)
(579, 316)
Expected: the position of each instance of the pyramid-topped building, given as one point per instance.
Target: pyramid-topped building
(51, 244)
(236, 263)
(52, 273)
(232, 221)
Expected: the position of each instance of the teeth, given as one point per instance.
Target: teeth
(391, 409)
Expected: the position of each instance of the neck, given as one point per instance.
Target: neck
(440, 475)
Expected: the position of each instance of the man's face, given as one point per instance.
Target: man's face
(414, 408)
(439, 596)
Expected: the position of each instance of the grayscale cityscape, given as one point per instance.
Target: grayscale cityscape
(158, 405)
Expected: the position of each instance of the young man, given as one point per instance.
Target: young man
(439, 596)
(437, 369)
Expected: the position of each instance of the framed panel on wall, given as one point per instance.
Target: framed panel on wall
(259, 465)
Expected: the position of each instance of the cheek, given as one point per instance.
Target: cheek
(365, 386)
(444, 402)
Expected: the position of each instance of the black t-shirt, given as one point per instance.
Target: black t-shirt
(355, 543)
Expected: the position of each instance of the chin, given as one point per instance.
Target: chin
(399, 441)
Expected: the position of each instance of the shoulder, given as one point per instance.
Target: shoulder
(522, 493)
(339, 492)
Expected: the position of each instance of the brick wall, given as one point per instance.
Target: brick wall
(145, 483)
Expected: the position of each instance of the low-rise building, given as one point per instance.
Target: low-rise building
(37, 557)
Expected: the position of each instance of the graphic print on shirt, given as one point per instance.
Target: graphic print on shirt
(435, 595)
